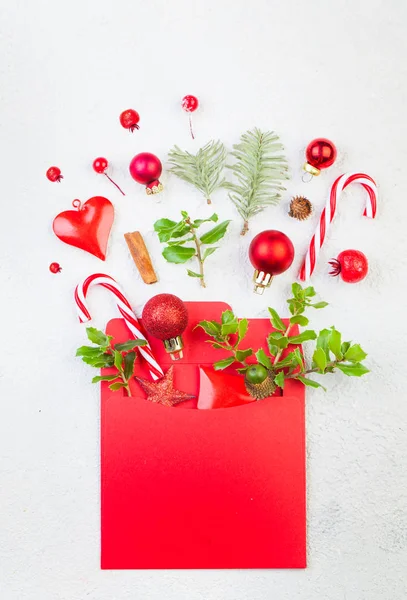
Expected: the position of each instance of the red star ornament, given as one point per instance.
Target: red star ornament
(162, 391)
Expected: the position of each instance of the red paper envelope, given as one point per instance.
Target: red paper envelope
(184, 488)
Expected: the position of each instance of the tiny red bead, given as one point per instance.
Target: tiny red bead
(100, 164)
(190, 103)
(54, 174)
(129, 119)
(55, 268)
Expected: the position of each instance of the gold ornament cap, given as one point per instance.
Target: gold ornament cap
(312, 170)
(174, 347)
(262, 281)
(154, 189)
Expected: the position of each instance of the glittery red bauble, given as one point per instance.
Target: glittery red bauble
(320, 153)
(190, 103)
(54, 174)
(129, 119)
(165, 316)
(271, 251)
(351, 265)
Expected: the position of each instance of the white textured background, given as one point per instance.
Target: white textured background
(305, 69)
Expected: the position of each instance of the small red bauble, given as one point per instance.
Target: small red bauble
(54, 174)
(271, 253)
(320, 154)
(129, 119)
(165, 317)
(55, 268)
(146, 168)
(99, 166)
(351, 265)
(190, 104)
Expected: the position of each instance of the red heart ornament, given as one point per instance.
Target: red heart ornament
(88, 227)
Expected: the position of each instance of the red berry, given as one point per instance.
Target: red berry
(351, 265)
(54, 174)
(55, 268)
(190, 103)
(100, 164)
(129, 119)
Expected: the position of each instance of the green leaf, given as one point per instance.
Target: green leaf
(276, 321)
(230, 328)
(130, 345)
(242, 328)
(241, 355)
(184, 214)
(242, 370)
(98, 337)
(323, 342)
(180, 230)
(299, 320)
(129, 360)
(310, 382)
(228, 317)
(296, 290)
(334, 343)
(209, 251)
(355, 353)
(117, 386)
(193, 274)
(353, 370)
(299, 359)
(263, 359)
(310, 292)
(212, 328)
(89, 351)
(164, 229)
(305, 336)
(319, 305)
(296, 308)
(198, 222)
(277, 339)
(118, 360)
(345, 347)
(215, 234)
(279, 379)
(178, 254)
(222, 364)
(288, 361)
(319, 358)
(104, 378)
(105, 360)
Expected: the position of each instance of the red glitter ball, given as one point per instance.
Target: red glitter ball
(165, 316)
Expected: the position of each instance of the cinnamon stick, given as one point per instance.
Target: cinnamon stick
(141, 257)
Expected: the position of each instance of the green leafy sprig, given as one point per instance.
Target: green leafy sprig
(203, 170)
(330, 352)
(260, 168)
(103, 354)
(183, 242)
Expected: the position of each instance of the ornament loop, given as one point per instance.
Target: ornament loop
(307, 177)
(77, 204)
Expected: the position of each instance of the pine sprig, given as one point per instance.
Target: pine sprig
(260, 169)
(203, 170)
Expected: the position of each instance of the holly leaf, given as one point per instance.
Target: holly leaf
(129, 360)
(241, 355)
(130, 345)
(319, 305)
(319, 358)
(193, 274)
(198, 222)
(242, 328)
(209, 251)
(104, 378)
(164, 229)
(117, 386)
(230, 328)
(310, 292)
(215, 234)
(276, 321)
(355, 353)
(279, 379)
(178, 254)
(180, 242)
(212, 328)
(299, 320)
(228, 317)
(289, 361)
(323, 342)
(296, 290)
(345, 347)
(104, 360)
(222, 364)
(334, 343)
(305, 336)
(353, 370)
(299, 359)
(242, 370)
(98, 337)
(263, 359)
(277, 339)
(118, 360)
(310, 382)
(296, 308)
(89, 351)
(180, 230)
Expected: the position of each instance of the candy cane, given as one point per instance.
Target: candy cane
(125, 310)
(328, 214)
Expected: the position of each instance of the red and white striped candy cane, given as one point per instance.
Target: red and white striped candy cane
(328, 214)
(125, 310)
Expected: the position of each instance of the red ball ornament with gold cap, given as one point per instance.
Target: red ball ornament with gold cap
(165, 317)
(271, 253)
(320, 154)
(146, 168)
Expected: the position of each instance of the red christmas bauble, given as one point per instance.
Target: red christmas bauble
(190, 103)
(146, 168)
(165, 316)
(271, 251)
(54, 174)
(351, 265)
(129, 119)
(100, 164)
(320, 154)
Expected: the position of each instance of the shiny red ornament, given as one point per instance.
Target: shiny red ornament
(54, 174)
(165, 317)
(190, 104)
(271, 253)
(129, 119)
(351, 265)
(218, 389)
(320, 154)
(146, 168)
(55, 267)
(88, 227)
(99, 166)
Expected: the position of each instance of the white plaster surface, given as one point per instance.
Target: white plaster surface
(305, 69)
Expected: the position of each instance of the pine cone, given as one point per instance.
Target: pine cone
(300, 208)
